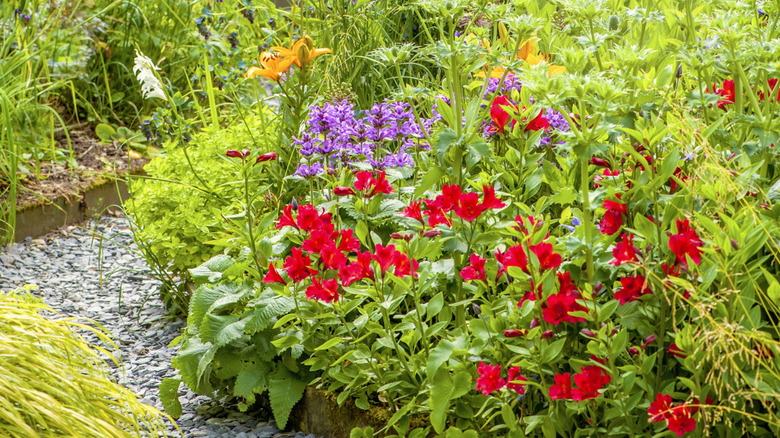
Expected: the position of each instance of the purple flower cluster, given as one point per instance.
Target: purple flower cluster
(557, 122)
(382, 137)
(510, 83)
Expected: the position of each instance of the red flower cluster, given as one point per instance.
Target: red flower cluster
(501, 117)
(516, 256)
(558, 307)
(332, 248)
(490, 380)
(589, 381)
(624, 251)
(685, 242)
(728, 92)
(365, 182)
(679, 419)
(452, 199)
(633, 287)
(613, 217)
(477, 269)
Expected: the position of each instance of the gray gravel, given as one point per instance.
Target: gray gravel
(65, 265)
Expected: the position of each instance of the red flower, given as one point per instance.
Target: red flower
(557, 307)
(413, 211)
(326, 290)
(449, 198)
(347, 242)
(316, 241)
(633, 287)
(514, 256)
(298, 266)
(363, 180)
(404, 265)
(310, 219)
(273, 276)
(270, 156)
(611, 223)
(436, 214)
(562, 387)
(589, 382)
(538, 123)
(343, 191)
(499, 115)
(728, 92)
(565, 286)
(674, 350)
(513, 374)
(236, 154)
(624, 251)
(379, 185)
(385, 256)
(286, 219)
(357, 270)
(685, 242)
(661, 408)
(489, 200)
(477, 269)
(469, 207)
(489, 379)
(671, 271)
(772, 87)
(331, 257)
(681, 420)
(532, 295)
(547, 258)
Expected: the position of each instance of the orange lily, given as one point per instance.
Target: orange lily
(296, 52)
(529, 54)
(273, 67)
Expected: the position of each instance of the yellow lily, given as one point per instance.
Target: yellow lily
(273, 67)
(303, 49)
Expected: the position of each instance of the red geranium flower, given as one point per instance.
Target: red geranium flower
(661, 408)
(558, 306)
(499, 115)
(728, 92)
(287, 219)
(347, 242)
(404, 265)
(326, 290)
(310, 219)
(547, 258)
(331, 257)
(316, 241)
(379, 185)
(385, 256)
(513, 374)
(613, 217)
(273, 276)
(298, 266)
(681, 420)
(489, 200)
(538, 123)
(363, 180)
(413, 211)
(562, 387)
(589, 382)
(685, 242)
(449, 198)
(477, 269)
(624, 251)
(565, 285)
(357, 270)
(674, 350)
(514, 256)
(633, 287)
(469, 207)
(489, 379)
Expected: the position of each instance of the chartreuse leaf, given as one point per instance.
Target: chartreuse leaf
(284, 390)
(169, 396)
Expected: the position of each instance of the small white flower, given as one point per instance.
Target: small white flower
(144, 68)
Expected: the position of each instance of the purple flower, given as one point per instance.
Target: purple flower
(306, 171)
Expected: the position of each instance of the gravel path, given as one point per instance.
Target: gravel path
(65, 266)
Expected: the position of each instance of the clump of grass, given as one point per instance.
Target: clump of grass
(53, 383)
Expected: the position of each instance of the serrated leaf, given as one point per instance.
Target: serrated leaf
(169, 396)
(284, 391)
(251, 381)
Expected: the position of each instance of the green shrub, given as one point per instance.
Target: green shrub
(54, 384)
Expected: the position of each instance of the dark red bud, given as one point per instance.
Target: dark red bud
(633, 351)
(596, 161)
(734, 244)
(512, 333)
(343, 191)
(245, 153)
(614, 331)
(547, 334)
(396, 236)
(588, 332)
(534, 323)
(233, 153)
(266, 157)
(432, 233)
(598, 287)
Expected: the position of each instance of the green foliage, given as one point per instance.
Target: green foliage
(54, 384)
(230, 345)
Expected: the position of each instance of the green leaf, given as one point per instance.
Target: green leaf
(441, 393)
(552, 351)
(169, 396)
(434, 306)
(430, 178)
(251, 381)
(105, 132)
(439, 355)
(329, 344)
(284, 391)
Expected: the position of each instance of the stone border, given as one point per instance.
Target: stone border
(42, 218)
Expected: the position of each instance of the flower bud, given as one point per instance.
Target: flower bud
(633, 351)
(614, 331)
(308, 42)
(679, 71)
(343, 191)
(476, 308)
(534, 323)
(512, 333)
(294, 204)
(648, 340)
(596, 161)
(303, 54)
(588, 332)
(266, 157)
(614, 23)
(734, 244)
(396, 236)
(547, 334)
(598, 287)
(233, 153)
(432, 233)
